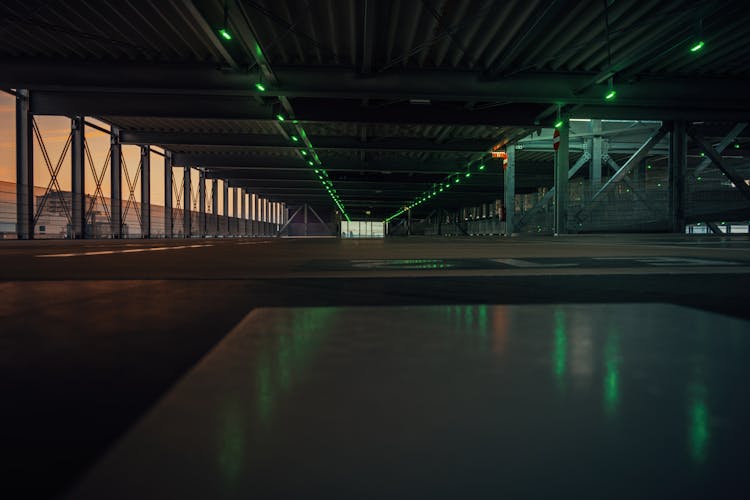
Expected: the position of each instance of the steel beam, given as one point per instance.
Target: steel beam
(116, 184)
(562, 165)
(677, 176)
(243, 214)
(595, 167)
(24, 167)
(187, 219)
(715, 157)
(509, 188)
(721, 146)
(77, 179)
(145, 191)
(638, 156)
(202, 203)
(168, 194)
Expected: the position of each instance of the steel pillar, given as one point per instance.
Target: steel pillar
(187, 220)
(202, 203)
(167, 194)
(115, 173)
(225, 203)
(242, 228)
(234, 207)
(595, 169)
(77, 176)
(145, 191)
(24, 167)
(561, 180)
(509, 189)
(305, 219)
(677, 176)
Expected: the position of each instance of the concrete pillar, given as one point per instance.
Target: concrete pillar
(202, 203)
(509, 189)
(677, 176)
(167, 194)
(187, 220)
(561, 180)
(24, 167)
(145, 191)
(115, 173)
(77, 176)
(595, 167)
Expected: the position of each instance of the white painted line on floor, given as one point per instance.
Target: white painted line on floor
(254, 242)
(129, 250)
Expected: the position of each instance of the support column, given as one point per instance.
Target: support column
(561, 180)
(202, 203)
(677, 176)
(187, 220)
(234, 208)
(145, 191)
(509, 189)
(305, 219)
(215, 203)
(77, 174)
(408, 222)
(242, 228)
(225, 203)
(116, 183)
(24, 167)
(595, 168)
(167, 194)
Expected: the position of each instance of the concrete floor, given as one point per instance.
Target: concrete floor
(94, 333)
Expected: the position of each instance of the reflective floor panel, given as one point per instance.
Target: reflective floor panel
(529, 401)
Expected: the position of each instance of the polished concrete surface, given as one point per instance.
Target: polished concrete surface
(93, 336)
(544, 401)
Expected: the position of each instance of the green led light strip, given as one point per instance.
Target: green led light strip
(313, 161)
(438, 188)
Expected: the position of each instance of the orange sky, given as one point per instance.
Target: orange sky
(55, 130)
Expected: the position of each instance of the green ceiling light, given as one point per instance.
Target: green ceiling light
(558, 123)
(648, 167)
(260, 87)
(481, 167)
(294, 138)
(304, 153)
(698, 45)
(611, 92)
(309, 162)
(736, 146)
(457, 179)
(225, 34)
(280, 117)
(468, 174)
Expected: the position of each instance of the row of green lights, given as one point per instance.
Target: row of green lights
(436, 189)
(314, 162)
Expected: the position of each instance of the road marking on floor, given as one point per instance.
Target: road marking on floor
(526, 263)
(673, 261)
(128, 250)
(254, 242)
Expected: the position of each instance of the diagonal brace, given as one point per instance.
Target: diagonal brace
(715, 157)
(637, 157)
(723, 144)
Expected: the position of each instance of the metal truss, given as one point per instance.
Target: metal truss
(131, 190)
(54, 171)
(98, 180)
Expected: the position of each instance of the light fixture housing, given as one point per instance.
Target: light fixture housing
(225, 34)
(611, 92)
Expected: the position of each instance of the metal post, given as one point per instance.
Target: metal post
(116, 183)
(225, 202)
(408, 222)
(595, 170)
(24, 167)
(561, 180)
(234, 208)
(215, 203)
(187, 221)
(202, 203)
(145, 191)
(242, 220)
(677, 173)
(78, 201)
(167, 194)
(509, 189)
(305, 219)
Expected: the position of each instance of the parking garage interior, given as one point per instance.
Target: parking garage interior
(374, 249)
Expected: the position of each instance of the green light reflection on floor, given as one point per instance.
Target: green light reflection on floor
(699, 432)
(560, 351)
(611, 373)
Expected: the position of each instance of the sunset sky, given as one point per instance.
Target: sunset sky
(55, 131)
